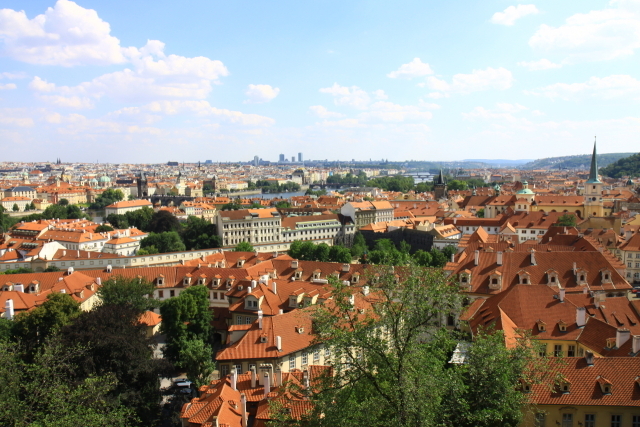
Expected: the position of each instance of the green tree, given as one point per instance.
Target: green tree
(457, 185)
(199, 233)
(339, 253)
(140, 218)
(149, 250)
(107, 198)
(103, 228)
(63, 202)
(283, 205)
(186, 318)
(422, 258)
(567, 220)
(231, 206)
(168, 241)
(359, 246)
(438, 259)
(51, 268)
(32, 328)
(163, 221)
(116, 343)
(480, 213)
(244, 247)
(15, 207)
(125, 291)
(118, 221)
(195, 359)
(321, 252)
(45, 392)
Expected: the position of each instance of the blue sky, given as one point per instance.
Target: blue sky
(133, 82)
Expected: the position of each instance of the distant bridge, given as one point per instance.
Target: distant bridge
(170, 200)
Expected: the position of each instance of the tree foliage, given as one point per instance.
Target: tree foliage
(199, 233)
(132, 292)
(627, 166)
(309, 251)
(164, 221)
(107, 198)
(244, 247)
(168, 241)
(567, 220)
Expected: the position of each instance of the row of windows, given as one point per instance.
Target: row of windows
(615, 420)
(558, 350)
(637, 265)
(631, 255)
(252, 224)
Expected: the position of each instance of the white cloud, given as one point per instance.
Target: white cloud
(510, 108)
(40, 85)
(542, 64)
(346, 123)
(615, 86)
(323, 113)
(593, 36)
(15, 117)
(379, 94)
(415, 68)
(258, 94)
(428, 105)
(12, 76)
(204, 109)
(352, 96)
(478, 80)
(68, 101)
(66, 35)
(8, 86)
(512, 13)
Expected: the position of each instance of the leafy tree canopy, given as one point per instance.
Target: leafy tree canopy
(168, 241)
(627, 166)
(244, 247)
(132, 292)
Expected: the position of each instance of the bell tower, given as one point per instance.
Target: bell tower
(440, 187)
(593, 204)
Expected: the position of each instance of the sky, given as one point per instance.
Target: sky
(153, 81)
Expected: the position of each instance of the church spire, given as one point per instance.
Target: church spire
(593, 172)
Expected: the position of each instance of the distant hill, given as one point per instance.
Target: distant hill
(500, 162)
(581, 161)
(627, 166)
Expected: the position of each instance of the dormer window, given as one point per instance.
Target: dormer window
(552, 277)
(216, 281)
(465, 279)
(240, 262)
(524, 278)
(300, 329)
(605, 385)
(541, 326)
(581, 277)
(611, 342)
(298, 274)
(160, 280)
(605, 276)
(293, 301)
(186, 281)
(316, 274)
(495, 280)
(264, 339)
(565, 386)
(202, 281)
(562, 326)
(355, 278)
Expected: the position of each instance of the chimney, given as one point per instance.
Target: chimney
(635, 344)
(476, 257)
(253, 377)
(294, 264)
(622, 336)
(8, 309)
(275, 288)
(267, 385)
(365, 290)
(98, 281)
(64, 253)
(281, 311)
(243, 410)
(259, 319)
(533, 257)
(277, 381)
(562, 292)
(575, 268)
(305, 376)
(234, 378)
(589, 358)
(581, 316)
(453, 257)
(279, 343)
(18, 287)
(499, 258)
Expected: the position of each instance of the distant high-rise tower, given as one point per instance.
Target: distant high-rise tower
(300, 157)
(281, 158)
(440, 186)
(256, 161)
(293, 159)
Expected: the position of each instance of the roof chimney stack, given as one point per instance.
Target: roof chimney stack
(253, 377)
(8, 309)
(279, 343)
(635, 347)
(275, 287)
(533, 257)
(277, 380)
(243, 410)
(589, 358)
(622, 336)
(581, 316)
(476, 257)
(499, 258)
(267, 385)
(260, 319)
(234, 378)
(562, 292)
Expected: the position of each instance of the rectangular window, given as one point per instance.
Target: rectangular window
(316, 355)
(327, 352)
(635, 421)
(238, 320)
(172, 293)
(616, 420)
(215, 295)
(292, 362)
(567, 420)
(160, 294)
(224, 370)
(238, 368)
(590, 420)
(557, 352)
(540, 420)
(305, 358)
(571, 351)
(247, 320)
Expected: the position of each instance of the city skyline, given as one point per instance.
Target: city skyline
(409, 80)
